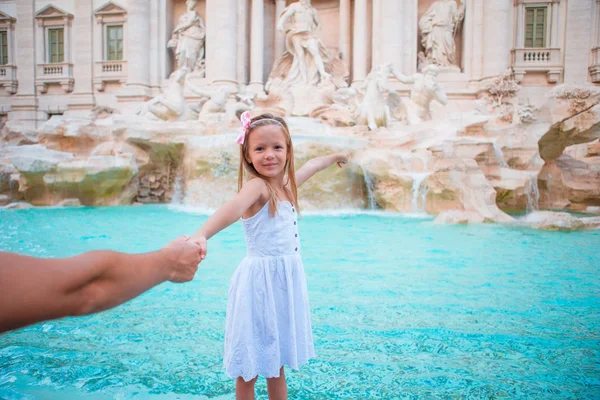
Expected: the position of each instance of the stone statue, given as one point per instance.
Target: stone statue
(438, 28)
(374, 110)
(188, 40)
(170, 105)
(416, 109)
(306, 60)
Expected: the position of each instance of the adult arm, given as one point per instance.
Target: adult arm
(36, 289)
(317, 164)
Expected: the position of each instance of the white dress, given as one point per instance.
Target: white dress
(268, 317)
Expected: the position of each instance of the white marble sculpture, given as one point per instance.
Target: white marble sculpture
(438, 28)
(306, 60)
(416, 109)
(170, 105)
(374, 110)
(188, 40)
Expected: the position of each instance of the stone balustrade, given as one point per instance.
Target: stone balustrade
(595, 65)
(537, 60)
(54, 73)
(8, 78)
(109, 71)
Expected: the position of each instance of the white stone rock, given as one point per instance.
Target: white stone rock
(37, 158)
(69, 203)
(553, 221)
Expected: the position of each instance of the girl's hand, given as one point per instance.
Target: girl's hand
(342, 158)
(202, 244)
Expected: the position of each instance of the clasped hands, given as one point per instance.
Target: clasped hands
(182, 257)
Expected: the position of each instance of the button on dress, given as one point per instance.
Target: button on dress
(268, 315)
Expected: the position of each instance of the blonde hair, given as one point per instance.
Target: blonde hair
(264, 120)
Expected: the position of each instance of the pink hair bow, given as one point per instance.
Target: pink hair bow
(246, 120)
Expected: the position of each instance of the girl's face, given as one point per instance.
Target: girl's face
(267, 151)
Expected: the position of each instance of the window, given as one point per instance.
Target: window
(535, 26)
(56, 45)
(114, 43)
(3, 47)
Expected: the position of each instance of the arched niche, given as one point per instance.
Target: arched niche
(458, 39)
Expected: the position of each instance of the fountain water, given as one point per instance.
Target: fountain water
(370, 186)
(499, 154)
(417, 192)
(533, 194)
(177, 191)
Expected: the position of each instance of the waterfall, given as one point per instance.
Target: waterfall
(549, 190)
(177, 191)
(499, 154)
(370, 185)
(417, 193)
(533, 194)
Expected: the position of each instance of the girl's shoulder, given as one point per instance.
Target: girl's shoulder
(259, 187)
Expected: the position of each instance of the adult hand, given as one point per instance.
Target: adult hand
(182, 257)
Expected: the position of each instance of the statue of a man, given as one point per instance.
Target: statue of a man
(308, 55)
(188, 39)
(438, 28)
(374, 110)
(417, 109)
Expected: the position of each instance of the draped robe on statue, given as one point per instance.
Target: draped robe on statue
(300, 26)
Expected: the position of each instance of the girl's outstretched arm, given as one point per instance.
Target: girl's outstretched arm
(317, 164)
(230, 212)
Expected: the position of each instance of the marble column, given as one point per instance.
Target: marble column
(257, 46)
(377, 33)
(473, 49)
(242, 42)
(554, 39)
(280, 37)
(361, 36)
(25, 103)
(496, 52)
(410, 32)
(83, 94)
(138, 59)
(221, 42)
(391, 42)
(345, 42)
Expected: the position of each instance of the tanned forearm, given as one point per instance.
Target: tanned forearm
(34, 289)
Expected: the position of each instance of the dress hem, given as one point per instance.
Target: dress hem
(300, 364)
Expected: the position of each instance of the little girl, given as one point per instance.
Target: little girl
(268, 317)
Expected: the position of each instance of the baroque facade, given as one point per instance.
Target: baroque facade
(68, 56)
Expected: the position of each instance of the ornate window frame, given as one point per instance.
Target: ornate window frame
(109, 14)
(52, 17)
(8, 72)
(548, 59)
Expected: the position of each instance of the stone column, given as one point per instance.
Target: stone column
(257, 46)
(25, 103)
(410, 33)
(221, 42)
(83, 94)
(554, 40)
(138, 55)
(496, 52)
(242, 42)
(377, 34)
(279, 37)
(391, 42)
(345, 33)
(359, 56)
(473, 49)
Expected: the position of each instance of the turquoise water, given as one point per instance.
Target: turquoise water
(401, 308)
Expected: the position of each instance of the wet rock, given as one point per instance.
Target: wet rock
(553, 221)
(20, 205)
(69, 203)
